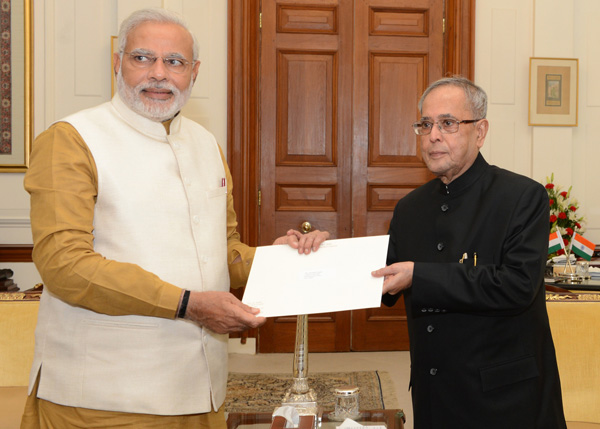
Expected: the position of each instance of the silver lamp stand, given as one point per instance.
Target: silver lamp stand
(299, 395)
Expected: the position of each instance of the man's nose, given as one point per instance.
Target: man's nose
(436, 132)
(158, 70)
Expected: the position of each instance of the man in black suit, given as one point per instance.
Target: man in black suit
(468, 251)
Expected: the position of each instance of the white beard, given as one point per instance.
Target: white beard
(155, 110)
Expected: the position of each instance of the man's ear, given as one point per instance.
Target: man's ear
(195, 70)
(482, 129)
(117, 63)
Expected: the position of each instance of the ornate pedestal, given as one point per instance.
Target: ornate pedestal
(300, 395)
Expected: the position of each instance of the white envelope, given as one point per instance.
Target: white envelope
(337, 277)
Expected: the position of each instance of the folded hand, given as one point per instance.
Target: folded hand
(305, 243)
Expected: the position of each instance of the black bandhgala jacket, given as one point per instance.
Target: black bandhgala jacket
(481, 350)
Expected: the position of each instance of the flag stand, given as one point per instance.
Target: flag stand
(583, 248)
(568, 277)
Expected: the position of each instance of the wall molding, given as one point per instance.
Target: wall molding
(15, 252)
(15, 222)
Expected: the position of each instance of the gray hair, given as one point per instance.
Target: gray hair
(476, 97)
(152, 15)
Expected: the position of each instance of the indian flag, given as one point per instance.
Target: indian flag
(556, 242)
(582, 247)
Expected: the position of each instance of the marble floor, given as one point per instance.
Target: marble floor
(397, 364)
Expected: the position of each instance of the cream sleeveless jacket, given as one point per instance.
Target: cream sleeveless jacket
(161, 205)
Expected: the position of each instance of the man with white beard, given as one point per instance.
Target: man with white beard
(135, 239)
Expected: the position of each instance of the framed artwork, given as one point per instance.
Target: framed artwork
(16, 85)
(553, 91)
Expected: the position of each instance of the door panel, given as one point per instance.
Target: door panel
(305, 91)
(278, 336)
(394, 86)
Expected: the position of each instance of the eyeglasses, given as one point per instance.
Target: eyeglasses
(144, 61)
(446, 126)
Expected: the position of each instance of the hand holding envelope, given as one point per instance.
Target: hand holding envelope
(222, 312)
(397, 277)
(304, 243)
(335, 278)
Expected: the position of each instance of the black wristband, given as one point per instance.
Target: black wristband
(184, 303)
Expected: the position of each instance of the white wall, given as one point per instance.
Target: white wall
(508, 33)
(72, 71)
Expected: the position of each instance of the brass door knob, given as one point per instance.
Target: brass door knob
(305, 227)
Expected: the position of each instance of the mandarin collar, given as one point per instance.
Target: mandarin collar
(148, 127)
(465, 180)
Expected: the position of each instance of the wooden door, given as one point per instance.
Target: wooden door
(339, 82)
(306, 141)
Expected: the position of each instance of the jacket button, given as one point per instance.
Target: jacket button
(433, 371)
(440, 246)
(444, 207)
(430, 328)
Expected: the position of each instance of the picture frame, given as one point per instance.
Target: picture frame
(553, 91)
(114, 48)
(16, 85)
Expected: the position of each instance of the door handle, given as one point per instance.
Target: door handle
(306, 227)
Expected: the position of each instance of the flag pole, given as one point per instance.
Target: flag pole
(569, 254)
